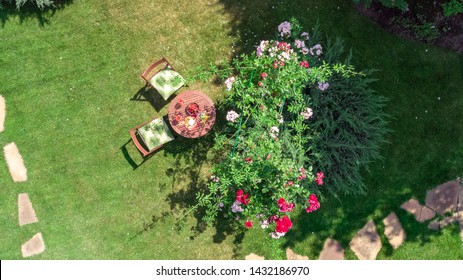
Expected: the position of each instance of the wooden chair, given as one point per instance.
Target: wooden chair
(153, 135)
(162, 76)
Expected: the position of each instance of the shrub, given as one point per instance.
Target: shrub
(453, 7)
(40, 3)
(296, 116)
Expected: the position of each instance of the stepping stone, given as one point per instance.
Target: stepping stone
(15, 163)
(444, 198)
(412, 206)
(366, 244)
(394, 231)
(34, 246)
(290, 255)
(2, 113)
(26, 213)
(332, 250)
(426, 214)
(422, 213)
(253, 257)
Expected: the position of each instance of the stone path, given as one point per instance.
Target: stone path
(2, 113)
(33, 246)
(15, 163)
(26, 213)
(422, 213)
(445, 199)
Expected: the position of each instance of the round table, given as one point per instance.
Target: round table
(191, 125)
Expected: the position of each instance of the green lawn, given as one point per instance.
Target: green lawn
(68, 85)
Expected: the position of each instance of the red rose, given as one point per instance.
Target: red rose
(242, 197)
(283, 224)
(263, 75)
(313, 207)
(312, 198)
(248, 224)
(319, 179)
(281, 201)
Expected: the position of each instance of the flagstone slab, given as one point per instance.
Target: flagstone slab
(34, 246)
(426, 214)
(290, 255)
(421, 213)
(26, 213)
(332, 250)
(253, 257)
(412, 206)
(2, 113)
(444, 198)
(366, 244)
(393, 230)
(15, 163)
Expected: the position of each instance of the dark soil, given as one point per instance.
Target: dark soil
(423, 21)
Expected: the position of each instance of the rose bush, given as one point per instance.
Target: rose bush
(271, 165)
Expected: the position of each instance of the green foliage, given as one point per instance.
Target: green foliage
(453, 7)
(423, 30)
(274, 146)
(401, 4)
(351, 124)
(19, 3)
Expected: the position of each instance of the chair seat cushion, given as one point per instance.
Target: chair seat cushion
(155, 133)
(166, 82)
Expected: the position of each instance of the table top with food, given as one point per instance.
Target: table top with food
(192, 114)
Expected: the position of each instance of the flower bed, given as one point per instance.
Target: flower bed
(271, 167)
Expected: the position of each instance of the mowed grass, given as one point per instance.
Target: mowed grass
(68, 87)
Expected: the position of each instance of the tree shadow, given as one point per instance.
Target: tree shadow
(193, 159)
(30, 11)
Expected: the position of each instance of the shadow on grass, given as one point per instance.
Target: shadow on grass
(189, 172)
(30, 11)
(149, 94)
(130, 157)
(193, 159)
